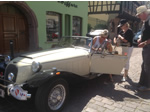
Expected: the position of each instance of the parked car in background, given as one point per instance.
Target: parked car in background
(47, 74)
(136, 37)
(95, 33)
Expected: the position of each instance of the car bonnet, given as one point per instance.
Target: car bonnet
(54, 55)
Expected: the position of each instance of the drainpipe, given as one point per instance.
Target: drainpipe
(11, 49)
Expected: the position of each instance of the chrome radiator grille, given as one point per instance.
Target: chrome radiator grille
(11, 69)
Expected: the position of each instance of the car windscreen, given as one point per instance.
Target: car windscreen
(80, 41)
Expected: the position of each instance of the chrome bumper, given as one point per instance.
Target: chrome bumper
(16, 91)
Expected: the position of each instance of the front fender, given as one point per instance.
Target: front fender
(41, 77)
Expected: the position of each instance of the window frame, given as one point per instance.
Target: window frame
(59, 25)
(80, 34)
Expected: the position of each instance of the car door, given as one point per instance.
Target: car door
(108, 63)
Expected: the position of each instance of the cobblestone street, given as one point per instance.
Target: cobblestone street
(122, 97)
(99, 95)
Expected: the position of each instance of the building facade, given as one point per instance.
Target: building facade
(112, 11)
(34, 25)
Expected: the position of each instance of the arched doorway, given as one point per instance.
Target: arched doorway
(19, 24)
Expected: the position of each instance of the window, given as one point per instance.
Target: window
(76, 30)
(53, 26)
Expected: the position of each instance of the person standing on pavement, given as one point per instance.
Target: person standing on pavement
(125, 40)
(144, 42)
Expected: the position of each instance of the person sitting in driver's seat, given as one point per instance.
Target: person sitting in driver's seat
(100, 40)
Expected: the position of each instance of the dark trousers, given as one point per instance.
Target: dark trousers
(145, 73)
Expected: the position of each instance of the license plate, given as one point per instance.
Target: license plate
(2, 93)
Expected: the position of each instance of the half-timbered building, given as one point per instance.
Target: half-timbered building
(110, 13)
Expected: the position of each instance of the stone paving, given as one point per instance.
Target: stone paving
(99, 95)
(123, 97)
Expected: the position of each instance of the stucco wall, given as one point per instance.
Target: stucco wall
(40, 8)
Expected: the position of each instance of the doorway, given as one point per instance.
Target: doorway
(13, 28)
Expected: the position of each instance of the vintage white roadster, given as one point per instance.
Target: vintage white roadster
(49, 72)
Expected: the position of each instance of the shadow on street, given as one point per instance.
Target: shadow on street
(81, 94)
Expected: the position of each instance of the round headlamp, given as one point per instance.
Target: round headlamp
(35, 66)
(11, 76)
(7, 59)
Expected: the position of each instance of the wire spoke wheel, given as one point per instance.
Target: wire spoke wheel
(57, 97)
(52, 96)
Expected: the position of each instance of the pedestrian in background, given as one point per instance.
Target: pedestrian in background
(144, 42)
(125, 38)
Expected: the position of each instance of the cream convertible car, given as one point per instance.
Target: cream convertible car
(49, 72)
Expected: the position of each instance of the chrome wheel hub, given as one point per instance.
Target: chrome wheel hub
(56, 97)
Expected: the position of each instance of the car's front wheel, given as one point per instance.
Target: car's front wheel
(52, 96)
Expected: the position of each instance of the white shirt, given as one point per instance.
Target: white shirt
(97, 43)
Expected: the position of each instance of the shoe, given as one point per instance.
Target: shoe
(142, 88)
(123, 79)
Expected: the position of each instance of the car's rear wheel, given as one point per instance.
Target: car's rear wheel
(52, 96)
